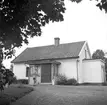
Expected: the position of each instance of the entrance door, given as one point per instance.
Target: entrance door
(46, 73)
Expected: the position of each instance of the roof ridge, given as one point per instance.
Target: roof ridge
(40, 46)
(53, 44)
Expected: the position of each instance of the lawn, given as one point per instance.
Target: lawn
(65, 95)
(13, 93)
(74, 95)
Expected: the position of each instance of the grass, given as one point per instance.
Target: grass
(72, 95)
(65, 95)
(13, 93)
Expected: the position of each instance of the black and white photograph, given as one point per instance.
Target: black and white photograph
(53, 52)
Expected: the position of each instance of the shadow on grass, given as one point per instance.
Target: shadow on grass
(13, 93)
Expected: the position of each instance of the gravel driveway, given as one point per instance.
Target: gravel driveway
(65, 95)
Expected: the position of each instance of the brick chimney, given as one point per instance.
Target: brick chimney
(56, 41)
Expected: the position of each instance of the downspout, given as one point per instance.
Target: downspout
(77, 70)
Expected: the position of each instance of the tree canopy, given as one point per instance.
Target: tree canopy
(98, 54)
(102, 5)
(20, 19)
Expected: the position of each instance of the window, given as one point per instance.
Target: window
(27, 71)
(85, 54)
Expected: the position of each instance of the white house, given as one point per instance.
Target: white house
(71, 59)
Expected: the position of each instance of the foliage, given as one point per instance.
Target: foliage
(21, 19)
(106, 64)
(6, 77)
(104, 84)
(61, 79)
(103, 5)
(77, 1)
(98, 54)
(22, 81)
(14, 80)
(71, 81)
(2, 81)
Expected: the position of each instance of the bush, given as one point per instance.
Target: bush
(14, 80)
(61, 80)
(72, 81)
(22, 81)
(104, 84)
(6, 77)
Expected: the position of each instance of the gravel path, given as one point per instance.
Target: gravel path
(65, 95)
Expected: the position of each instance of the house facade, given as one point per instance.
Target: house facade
(42, 64)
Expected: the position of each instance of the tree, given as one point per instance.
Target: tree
(21, 19)
(98, 54)
(102, 5)
(8, 76)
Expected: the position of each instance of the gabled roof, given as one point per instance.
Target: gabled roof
(68, 50)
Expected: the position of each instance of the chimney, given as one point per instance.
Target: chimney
(56, 41)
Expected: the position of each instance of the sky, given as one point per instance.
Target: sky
(82, 22)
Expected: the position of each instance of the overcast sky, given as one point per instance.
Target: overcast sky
(83, 21)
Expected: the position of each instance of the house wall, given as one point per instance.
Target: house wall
(93, 72)
(84, 54)
(68, 68)
(103, 71)
(19, 70)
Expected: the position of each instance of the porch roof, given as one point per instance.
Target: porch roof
(42, 62)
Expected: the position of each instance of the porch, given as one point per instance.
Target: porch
(42, 72)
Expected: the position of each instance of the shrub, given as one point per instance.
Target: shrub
(61, 79)
(104, 84)
(14, 81)
(71, 81)
(6, 77)
(22, 81)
